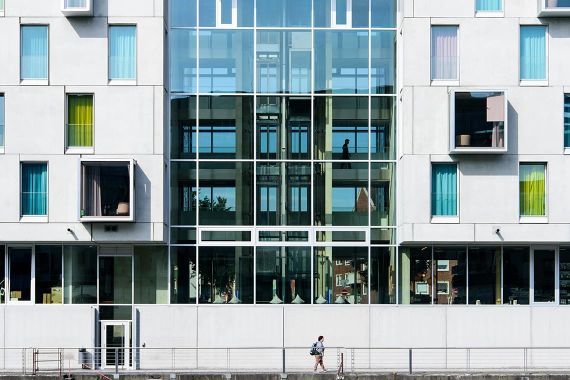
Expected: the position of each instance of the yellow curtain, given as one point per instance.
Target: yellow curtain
(80, 121)
(532, 190)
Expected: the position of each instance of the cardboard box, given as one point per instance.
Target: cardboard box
(56, 294)
(46, 298)
(15, 295)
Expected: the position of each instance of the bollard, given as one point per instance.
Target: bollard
(410, 360)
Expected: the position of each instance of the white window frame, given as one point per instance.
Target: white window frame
(483, 13)
(445, 82)
(531, 218)
(87, 10)
(556, 251)
(34, 81)
(34, 218)
(77, 149)
(535, 82)
(443, 219)
(437, 287)
(219, 23)
(348, 15)
(7, 285)
(3, 121)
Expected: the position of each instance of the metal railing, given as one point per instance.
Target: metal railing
(101, 360)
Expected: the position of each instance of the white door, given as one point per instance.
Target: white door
(116, 344)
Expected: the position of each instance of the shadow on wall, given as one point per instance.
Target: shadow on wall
(143, 196)
(86, 27)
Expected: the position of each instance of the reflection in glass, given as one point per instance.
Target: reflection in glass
(183, 60)
(225, 275)
(283, 275)
(564, 275)
(415, 275)
(283, 194)
(182, 235)
(383, 128)
(544, 275)
(283, 127)
(383, 13)
(226, 127)
(341, 275)
(2, 273)
(80, 273)
(20, 270)
(449, 275)
(383, 194)
(279, 13)
(283, 61)
(151, 274)
(182, 13)
(115, 280)
(341, 194)
(485, 275)
(226, 193)
(383, 275)
(516, 275)
(383, 62)
(479, 119)
(226, 61)
(183, 280)
(48, 265)
(323, 12)
(338, 119)
(183, 127)
(208, 12)
(341, 61)
(183, 193)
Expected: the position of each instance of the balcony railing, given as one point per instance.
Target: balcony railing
(554, 8)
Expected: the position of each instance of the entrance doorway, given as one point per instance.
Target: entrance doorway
(116, 344)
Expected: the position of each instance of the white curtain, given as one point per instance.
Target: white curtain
(444, 52)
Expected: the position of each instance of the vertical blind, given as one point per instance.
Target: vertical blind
(80, 120)
(34, 189)
(444, 190)
(532, 181)
(489, 5)
(34, 52)
(444, 52)
(533, 52)
(122, 52)
(566, 120)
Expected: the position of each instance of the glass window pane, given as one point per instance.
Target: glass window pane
(532, 181)
(444, 53)
(383, 275)
(2, 113)
(383, 62)
(544, 275)
(226, 11)
(245, 12)
(341, 61)
(207, 13)
(564, 275)
(485, 275)
(115, 280)
(226, 127)
(226, 193)
(151, 274)
(449, 275)
(283, 275)
(20, 267)
(533, 52)
(79, 120)
(2, 274)
(183, 127)
(291, 13)
(48, 266)
(383, 128)
(226, 61)
(383, 13)
(359, 13)
(183, 193)
(226, 275)
(341, 194)
(566, 120)
(341, 129)
(122, 52)
(341, 275)
(183, 280)
(341, 9)
(383, 194)
(183, 60)
(283, 61)
(80, 273)
(105, 189)
(322, 13)
(516, 274)
(415, 275)
(182, 235)
(283, 127)
(489, 5)
(182, 13)
(444, 190)
(34, 52)
(34, 189)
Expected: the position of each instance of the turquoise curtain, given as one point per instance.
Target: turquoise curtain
(566, 121)
(34, 189)
(122, 52)
(34, 52)
(489, 5)
(533, 52)
(444, 190)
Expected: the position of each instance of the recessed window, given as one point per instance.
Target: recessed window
(47, 261)
(20, 273)
(489, 5)
(444, 53)
(444, 190)
(533, 52)
(122, 52)
(2, 113)
(34, 52)
(532, 182)
(34, 188)
(79, 120)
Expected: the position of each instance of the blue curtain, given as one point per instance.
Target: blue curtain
(34, 189)
(533, 52)
(444, 190)
(34, 52)
(566, 121)
(122, 52)
(489, 5)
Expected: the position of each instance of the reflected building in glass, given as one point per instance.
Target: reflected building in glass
(283, 151)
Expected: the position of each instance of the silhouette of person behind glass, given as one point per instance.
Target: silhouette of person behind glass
(345, 155)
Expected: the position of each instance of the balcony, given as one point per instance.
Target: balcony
(553, 8)
(478, 122)
(107, 191)
(77, 8)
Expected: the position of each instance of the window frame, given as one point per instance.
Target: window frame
(122, 81)
(34, 218)
(348, 24)
(445, 82)
(79, 149)
(565, 104)
(535, 82)
(219, 22)
(3, 122)
(534, 218)
(8, 274)
(452, 219)
(493, 13)
(34, 81)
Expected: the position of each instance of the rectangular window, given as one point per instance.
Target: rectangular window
(2, 112)
(489, 5)
(34, 52)
(444, 53)
(544, 275)
(183, 276)
(151, 274)
(533, 52)
(484, 275)
(340, 10)
(122, 52)
(80, 272)
(564, 275)
(48, 266)
(34, 183)
(532, 182)
(115, 280)
(566, 120)
(516, 275)
(20, 273)
(444, 190)
(79, 120)
(383, 275)
(1, 7)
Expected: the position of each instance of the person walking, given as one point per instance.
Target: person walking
(319, 349)
(345, 155)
